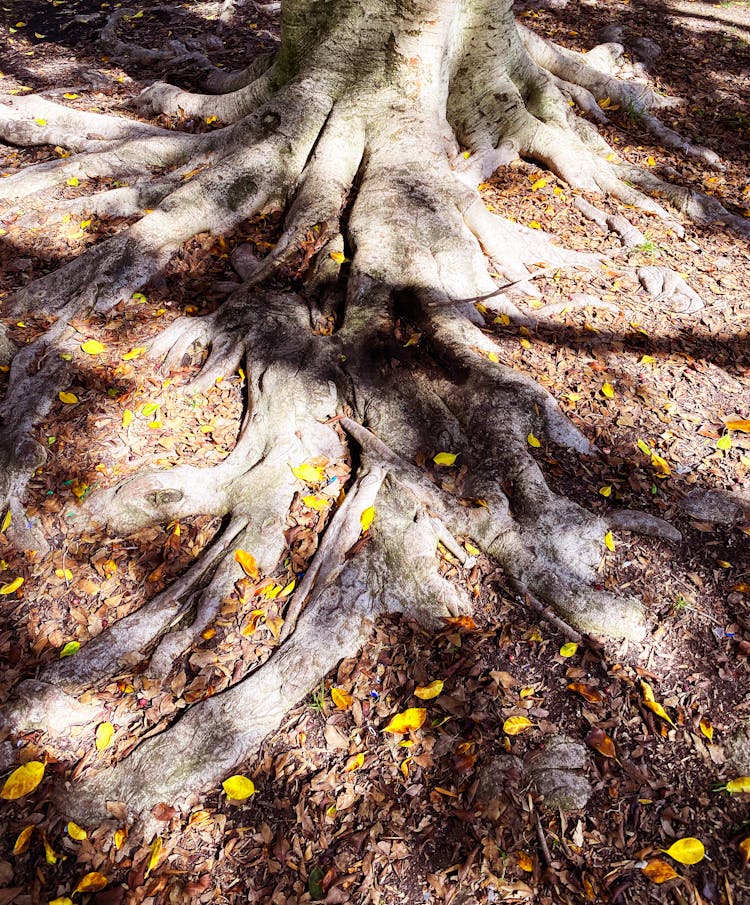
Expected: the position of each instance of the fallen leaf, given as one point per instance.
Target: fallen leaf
(238, 787)
(338, 257)
(247, 561)
(687, 851)
(657, 708)
(50, 856)
(67, 398)
(410, 719)
(706, 728)
(744, 848)
(739, 785)
(69, 649)
(127, 418)
(23, 839)
(118, 837)
(92, 347)
(367, 517)
(601, 742)
(609, 541)
(525, 862)
(23, 780)
(608, 390)
(724, 443)
(532, 440)
(659, 871)
(12, 586)
(342, 699)
(606, 491)
(134, 353)
(154, 854)
(310, 474)
(104, 734)
(445, 458)
(569, 649)
(6, 522)
(73, 181)
(427, 692)
(592, 695)
(514, 725)
(61, 900)
(318, 503)
(742, 425)
(354, 763)
(76, 832)
(64, 573)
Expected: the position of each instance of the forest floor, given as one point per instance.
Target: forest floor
(401, 823)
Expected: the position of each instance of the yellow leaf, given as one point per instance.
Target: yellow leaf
(67, 398)
(515, 725)
(606, 491)
(23, 840)
(608, 390)
(13, 586)
(650, 161)
(657, 708)
(535, 225)
(247, 561)
(76, 832)
(471, 549)
(569, 649)
(525, 862)
(210, 120)
(539, 184)
(127, 418)
(609, 541)
(724, 443)
(310, 474)
(331, 810)
(410, 719)
(73, 181)
(644, 447)
(525, 344)
(61, 900)
(445, 458)
(739, 785)
(405, 767)
(238, 787)
(744, 848)
(70, 95)
(23, 780)
(342, 699)
(40, 122)
(134, 353)
(687, 851)
(659, 871)
(118, 837)
(706, 728)
(647, 360)
(338, 257)
(50, 855)
(6, 522)
(64, 573)
(318, 503)
(604, 103)
(533, 441)
(427, 692)
(104, 733)
(154, 853)
(503, 319)
(493, 357)
(741, 425)
(354, 763)
(367, 517)
(287, 590)
(72, 647)
(660, 464)
(647, 691)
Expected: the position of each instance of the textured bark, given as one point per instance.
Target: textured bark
(413, 103)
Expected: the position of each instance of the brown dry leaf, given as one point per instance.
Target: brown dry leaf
(601, 742)
(659, 871)
(741, 425)
(592, 695)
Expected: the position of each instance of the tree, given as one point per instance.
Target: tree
(372, 128)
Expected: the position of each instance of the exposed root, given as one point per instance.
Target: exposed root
(664, 284)
(611, 223)
(644, 523)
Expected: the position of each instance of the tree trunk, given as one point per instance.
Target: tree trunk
(371, 128)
